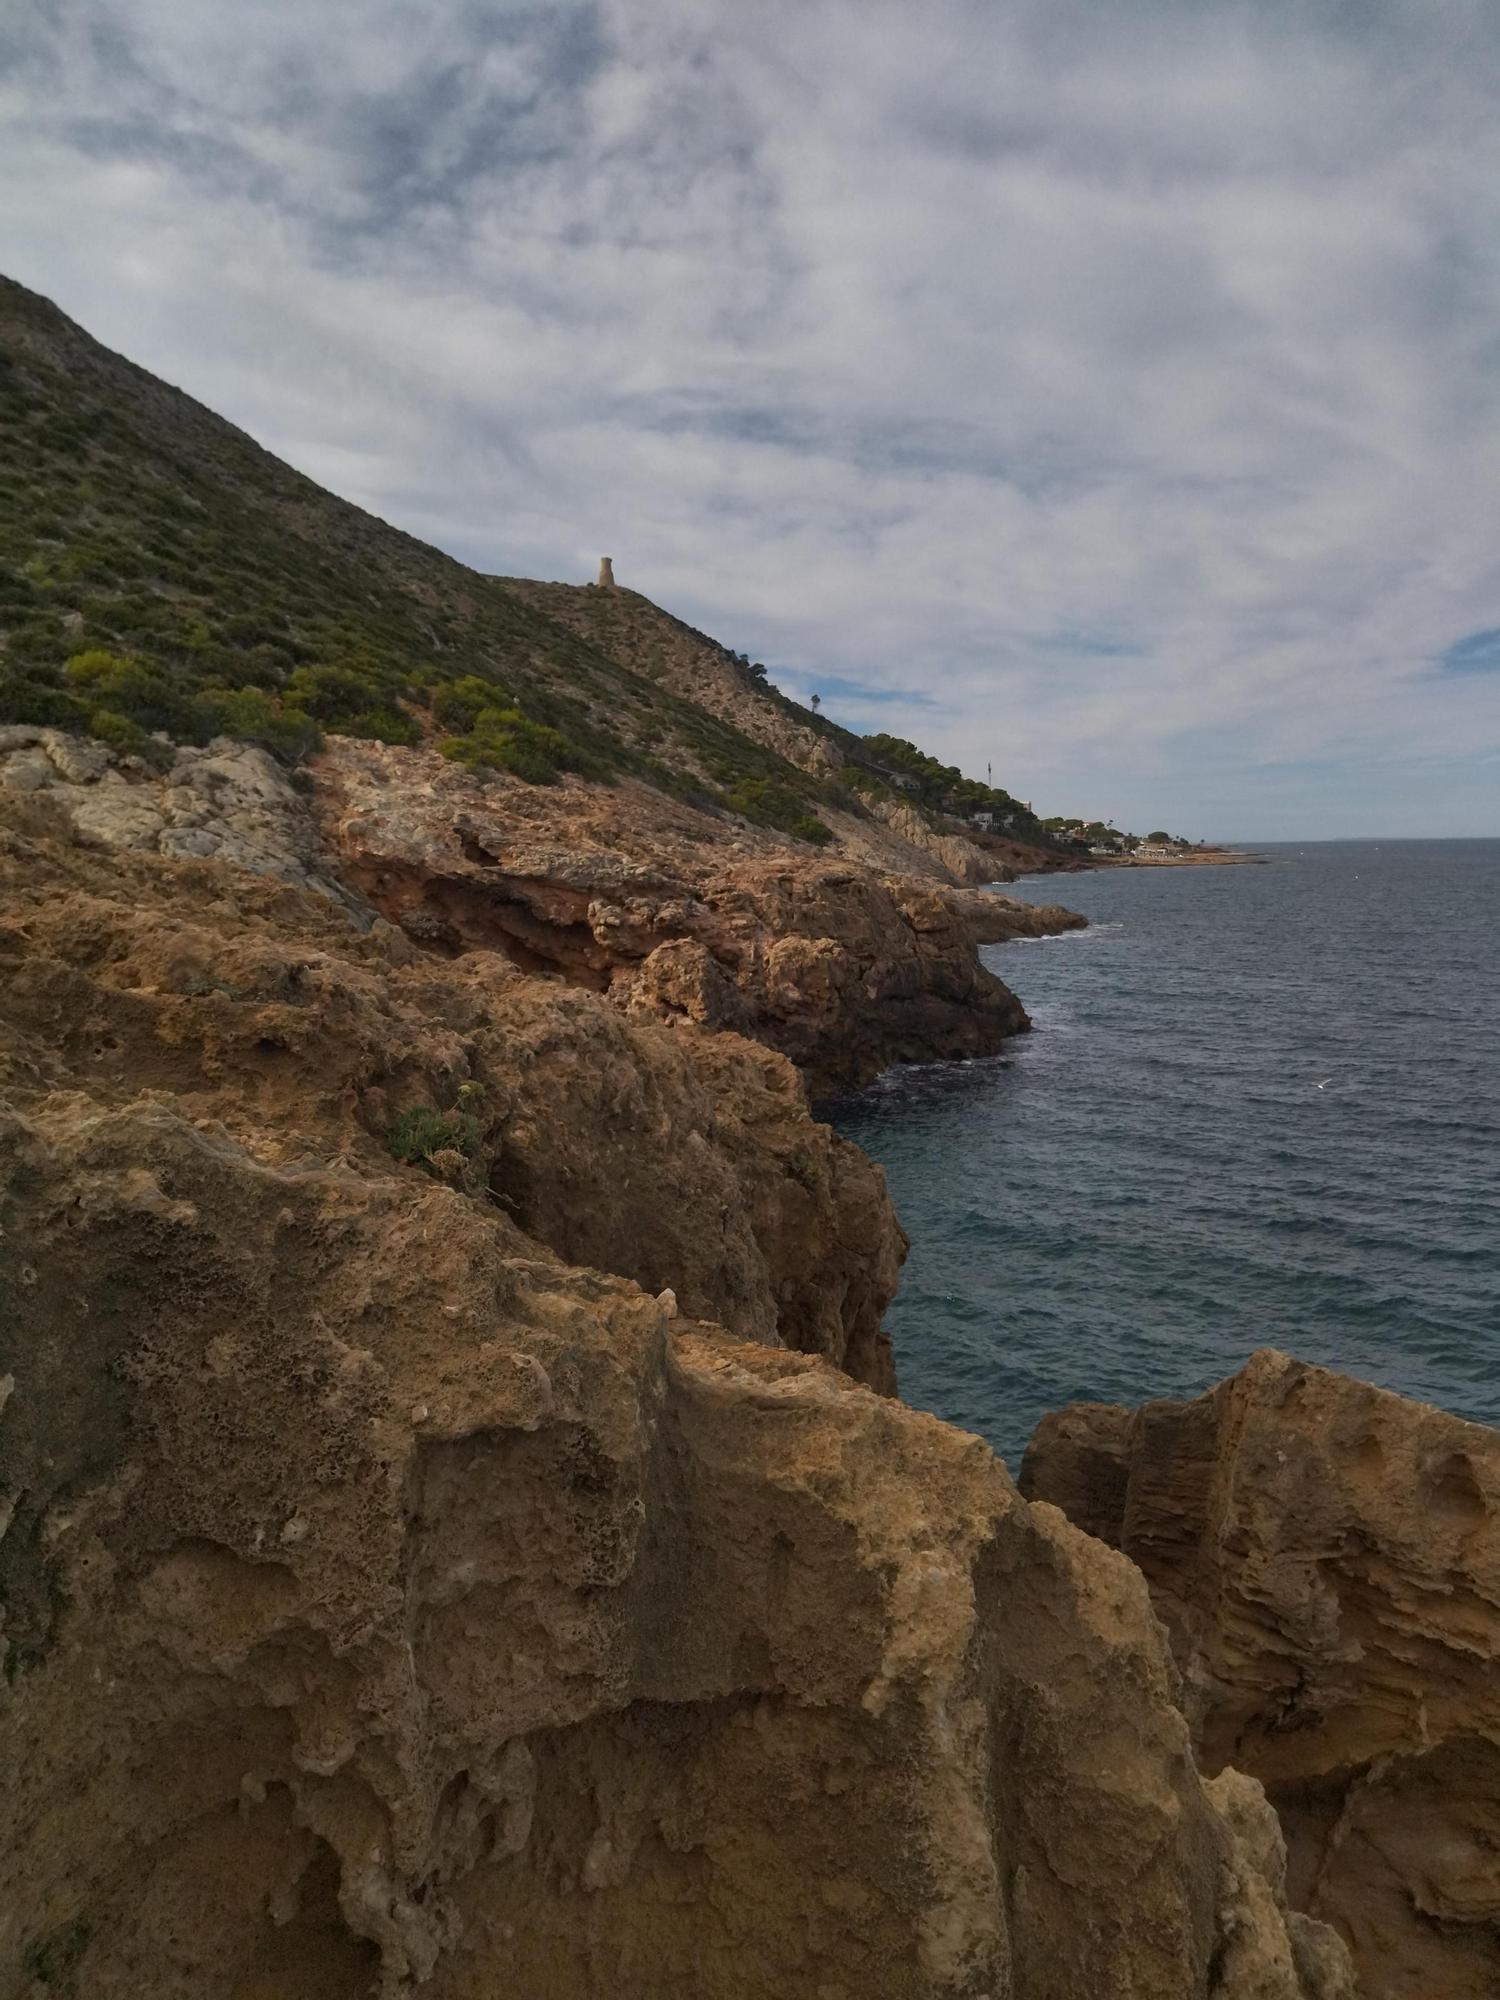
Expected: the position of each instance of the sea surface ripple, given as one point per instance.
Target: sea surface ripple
(1261, 1106)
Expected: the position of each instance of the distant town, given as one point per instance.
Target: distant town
(1100, 838)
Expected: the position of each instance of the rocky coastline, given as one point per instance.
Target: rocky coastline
(459, 1531)
(459, 1524)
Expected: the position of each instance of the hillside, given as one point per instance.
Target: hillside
(160, 572)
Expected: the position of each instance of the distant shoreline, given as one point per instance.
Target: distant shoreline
(1207, 857)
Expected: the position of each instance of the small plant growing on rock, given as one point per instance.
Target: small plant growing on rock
(51, 1960)
(804, 1169)
(446, 1143)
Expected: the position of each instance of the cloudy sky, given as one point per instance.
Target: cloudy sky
(1108, 389)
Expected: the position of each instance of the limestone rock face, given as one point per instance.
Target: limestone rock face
(841, 968)
(229, 802)
(1326, 1558)
(681, 1160)
(960, 858)
(411, 1582)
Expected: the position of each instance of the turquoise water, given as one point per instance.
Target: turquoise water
(1131, 1199)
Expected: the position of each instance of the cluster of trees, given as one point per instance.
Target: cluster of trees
(1099, 833)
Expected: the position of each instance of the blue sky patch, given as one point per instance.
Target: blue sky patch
(1478, 654)
(832, 688)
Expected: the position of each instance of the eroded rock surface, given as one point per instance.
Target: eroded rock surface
(682, 1160)
(394, 1601)
(959, 858)
(674, 913)
(842, 968)
(227, 802)
(1326, 1558)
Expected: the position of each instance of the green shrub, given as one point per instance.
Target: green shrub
(778, 806)
(502, 739)
(29, 698)
(383, 725)
(353, 701)
(445, 1143)
(252, 629)
(118, 731)
(333, 694)
(39, 641)
(257, 717)
(459, 704)
(125, 686)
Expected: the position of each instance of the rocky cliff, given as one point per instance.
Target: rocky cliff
(456, 1529)
(619, 889)
(1326, 1559)
(450, 1542)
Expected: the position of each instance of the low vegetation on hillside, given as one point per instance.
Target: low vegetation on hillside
(162, 577)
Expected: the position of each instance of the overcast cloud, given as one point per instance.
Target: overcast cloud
(1107, 388)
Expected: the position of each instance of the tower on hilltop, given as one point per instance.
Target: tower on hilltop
(606, 572)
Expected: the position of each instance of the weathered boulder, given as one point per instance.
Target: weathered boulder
(1326, 1559)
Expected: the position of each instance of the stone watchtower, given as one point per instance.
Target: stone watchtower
(606, 572)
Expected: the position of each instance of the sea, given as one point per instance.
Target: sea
(1259, 1106)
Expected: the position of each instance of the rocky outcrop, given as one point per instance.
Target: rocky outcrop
(230, 802)
(402, 1592)
(1326, 1558)
(681, 1160)
(842, 969)
(671, 912)
(957, 857)
(995, 919)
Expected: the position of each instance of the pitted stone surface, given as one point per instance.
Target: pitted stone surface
(229, 802)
